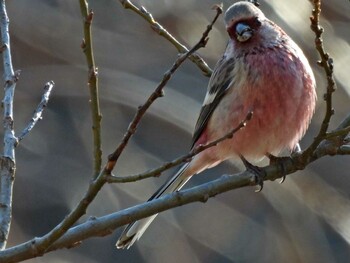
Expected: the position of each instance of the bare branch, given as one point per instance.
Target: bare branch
(184, 158)
(156, 94)
(326, 63)
(7, 176)
(345, 123)
(344, 150)
(160, 30)
(107, 224)
(336, 142)
(337, 133)
(38, 111)
(93, 85)
(11, 78)
(7, 161)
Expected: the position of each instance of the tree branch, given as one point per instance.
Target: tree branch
(38, 111)
(93, 86)
(326, 63)
(7, 176)
(335, 142)
(185, 158)
(160, 30)
(112, 159)
(7, 160)
(11, 78)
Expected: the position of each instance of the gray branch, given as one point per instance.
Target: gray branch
(106, 224)
(7, 160)
(39, 110)
(10, 78)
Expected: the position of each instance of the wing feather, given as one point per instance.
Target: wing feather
(220, 81)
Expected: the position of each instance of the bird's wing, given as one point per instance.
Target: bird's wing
(219, 83)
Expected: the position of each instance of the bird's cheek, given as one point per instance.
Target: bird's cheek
(231, 32)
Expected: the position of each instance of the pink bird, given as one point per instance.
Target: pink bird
(262, 70)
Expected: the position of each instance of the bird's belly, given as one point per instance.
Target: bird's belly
(279, 121)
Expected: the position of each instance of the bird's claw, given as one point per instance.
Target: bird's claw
(259, 180)
(258, 173)
(276, 160)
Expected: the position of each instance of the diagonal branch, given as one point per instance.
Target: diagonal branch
(336, 142)
(158, 93)
(38, 111)
(160, 30)
(108, 223)
(93, 85)
(185, 158)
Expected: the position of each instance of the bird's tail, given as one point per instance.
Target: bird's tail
(135, 230)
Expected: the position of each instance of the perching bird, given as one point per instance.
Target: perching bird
(262, 70)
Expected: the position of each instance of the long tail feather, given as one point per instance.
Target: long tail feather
(135, 230)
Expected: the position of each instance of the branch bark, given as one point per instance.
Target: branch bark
(7, 177)
(326, 63)
(93, 86)
(160, 30)
(38, 111)
(7, 162)
(113, 158)
(185, 158)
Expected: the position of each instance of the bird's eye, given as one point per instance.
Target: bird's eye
(257, 22)
(243, 32)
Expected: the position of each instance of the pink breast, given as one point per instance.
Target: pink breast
(281, 95)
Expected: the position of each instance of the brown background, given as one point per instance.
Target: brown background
(306, 219)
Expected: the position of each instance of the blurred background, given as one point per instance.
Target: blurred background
(305, 219)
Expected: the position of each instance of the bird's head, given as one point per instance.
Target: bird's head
(244, 21)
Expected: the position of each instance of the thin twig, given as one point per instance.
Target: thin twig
(160, 30)
(335, 142)
(93, 85)
(157, 93)
(344, 150)
(326, 63)
(345, 123)
(185, 158)
(337, 133)
(38, 111)
(7, 160)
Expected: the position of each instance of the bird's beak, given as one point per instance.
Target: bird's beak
(243, 32)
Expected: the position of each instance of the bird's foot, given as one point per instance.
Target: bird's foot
(257, 171)
(277, 161)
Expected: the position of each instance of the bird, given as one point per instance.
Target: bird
(262, 71)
